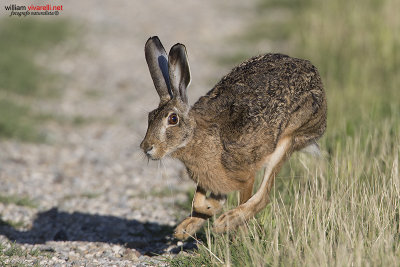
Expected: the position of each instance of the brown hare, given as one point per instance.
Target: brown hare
(255, 117)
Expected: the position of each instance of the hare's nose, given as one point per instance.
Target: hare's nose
(144, 145)
(149, 150)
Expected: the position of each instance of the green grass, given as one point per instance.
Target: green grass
(11, 254)
(14, 224)
(22, 78)
(18, 122)
(23, 40)
(88, 195)
(344, 209)
(18, 200)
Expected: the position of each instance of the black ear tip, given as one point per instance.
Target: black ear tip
(154, 42)
(177, 51)
(155, 37)
(178, 47)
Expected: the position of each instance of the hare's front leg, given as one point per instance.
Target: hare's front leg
(246, 192)
(203, 208)
(235, 217)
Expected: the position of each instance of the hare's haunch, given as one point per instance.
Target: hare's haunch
(255, 117)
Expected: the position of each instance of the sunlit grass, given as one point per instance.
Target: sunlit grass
(343, 209)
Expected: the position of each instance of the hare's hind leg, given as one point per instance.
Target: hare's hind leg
(231, 219)
(203, 208)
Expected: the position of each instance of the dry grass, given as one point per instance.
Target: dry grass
(343, 209)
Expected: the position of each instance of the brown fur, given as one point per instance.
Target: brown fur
(235, 129)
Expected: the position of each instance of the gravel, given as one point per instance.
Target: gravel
(91, 197)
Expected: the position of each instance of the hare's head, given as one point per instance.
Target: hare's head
(169, 127)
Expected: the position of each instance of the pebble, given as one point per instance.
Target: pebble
(132, 255)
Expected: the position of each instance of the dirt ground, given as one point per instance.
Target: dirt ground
(96, 201)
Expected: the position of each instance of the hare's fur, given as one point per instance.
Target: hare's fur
(256, 116)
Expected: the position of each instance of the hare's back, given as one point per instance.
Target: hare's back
(262, 90)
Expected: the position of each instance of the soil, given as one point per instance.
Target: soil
(91, 196)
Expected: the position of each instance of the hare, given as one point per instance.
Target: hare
(259, 114)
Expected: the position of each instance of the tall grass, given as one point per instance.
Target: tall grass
(343, 209)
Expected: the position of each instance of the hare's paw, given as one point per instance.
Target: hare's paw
(229, 220)
(209, 209)
(188, 227)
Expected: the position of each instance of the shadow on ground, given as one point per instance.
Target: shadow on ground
(55, 225)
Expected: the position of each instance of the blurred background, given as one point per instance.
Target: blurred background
(75, 92)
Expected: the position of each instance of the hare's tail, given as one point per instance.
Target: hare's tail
(312, 149)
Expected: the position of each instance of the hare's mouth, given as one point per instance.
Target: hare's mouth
(153, 158)
(152, 153)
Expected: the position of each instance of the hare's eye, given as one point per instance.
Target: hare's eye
(173, 119)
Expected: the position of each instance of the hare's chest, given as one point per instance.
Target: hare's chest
(203, 161)
(212, 177)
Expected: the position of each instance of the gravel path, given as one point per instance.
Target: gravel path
(91, 197)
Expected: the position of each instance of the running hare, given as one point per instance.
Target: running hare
(255, 117)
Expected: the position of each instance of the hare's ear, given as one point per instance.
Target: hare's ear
(179, 71)
(157, 60)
